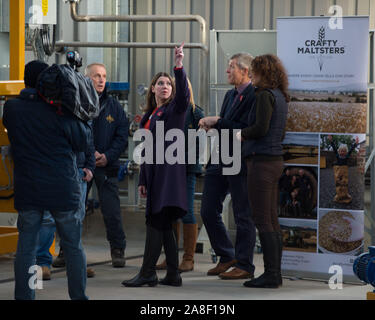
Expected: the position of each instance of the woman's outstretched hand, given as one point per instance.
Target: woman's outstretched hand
(179, 55)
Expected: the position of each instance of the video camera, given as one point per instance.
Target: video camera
(73, 59)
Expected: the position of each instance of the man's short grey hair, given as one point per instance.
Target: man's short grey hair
(88, 68)
(243, 60)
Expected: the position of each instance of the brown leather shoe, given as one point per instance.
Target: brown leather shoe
(161, 266)
(236, 273)
(90, 273)
(221, 267)
(46, 273)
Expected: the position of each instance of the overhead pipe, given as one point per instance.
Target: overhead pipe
(155, 45)
(203, 87)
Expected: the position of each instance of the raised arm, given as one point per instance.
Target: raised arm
(182, 98)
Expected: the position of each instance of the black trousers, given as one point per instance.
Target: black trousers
(110, 207)
(215, 190)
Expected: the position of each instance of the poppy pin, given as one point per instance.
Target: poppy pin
(159, 113)
(241, 97)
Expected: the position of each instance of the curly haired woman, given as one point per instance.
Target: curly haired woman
(264, 156)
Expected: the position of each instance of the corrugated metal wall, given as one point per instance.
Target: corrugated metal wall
(220, 15)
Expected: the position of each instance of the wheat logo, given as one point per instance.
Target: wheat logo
(321, 48)
(322, 35)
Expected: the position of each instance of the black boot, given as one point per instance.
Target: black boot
(147, 275)
(173, 277)
(270, 278)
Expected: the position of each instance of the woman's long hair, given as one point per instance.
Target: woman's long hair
(150, 100)
(191, 95)
(272, 73)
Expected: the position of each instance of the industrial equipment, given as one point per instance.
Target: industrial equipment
(8, 215)
(364, 269)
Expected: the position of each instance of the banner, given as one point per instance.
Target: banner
(321, 205)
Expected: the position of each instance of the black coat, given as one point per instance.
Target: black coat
(86, 159)
(234, 118)
(166, 183)
(111, 130)
(43, 146)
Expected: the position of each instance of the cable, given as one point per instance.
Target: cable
(48, 45)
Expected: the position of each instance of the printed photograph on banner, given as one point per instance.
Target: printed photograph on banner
(298, 189)
(327, 111)
(340, 232)
(301, 148)
(342, 165)
(299, 235)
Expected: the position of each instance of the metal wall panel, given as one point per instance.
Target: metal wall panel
(220, 15)
(4, 15)
(258, 14)
(363, 7)
(321, 7)
(4, 56)
(302, 7)
(240, 14)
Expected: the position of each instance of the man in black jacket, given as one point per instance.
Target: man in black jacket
(110, 130)
(86, 166)
(234, 113)
(46, 178)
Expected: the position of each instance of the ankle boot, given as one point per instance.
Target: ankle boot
(190, 242)
(147, 275)
(59, 261)
(270, 278)
(176, 230)
(173, 277)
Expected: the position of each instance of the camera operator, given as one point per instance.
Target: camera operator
(46, 178)
(86, 165)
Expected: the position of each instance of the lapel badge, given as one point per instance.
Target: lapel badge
(110, 119)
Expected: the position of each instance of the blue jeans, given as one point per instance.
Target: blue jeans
(189, 218)
(48, 229)
(69, 227)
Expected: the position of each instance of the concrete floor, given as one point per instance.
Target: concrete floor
(106, 285)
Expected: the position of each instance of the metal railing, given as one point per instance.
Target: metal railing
(370, 164)
(203, 67)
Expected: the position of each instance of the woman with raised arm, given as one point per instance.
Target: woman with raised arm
(163, 184)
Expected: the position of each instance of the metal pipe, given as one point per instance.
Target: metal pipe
(61, 44)
(204, 86)
(140, 18)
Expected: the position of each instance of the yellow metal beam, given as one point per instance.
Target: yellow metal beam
(8, 239)
(16, 39)
(11, 88)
